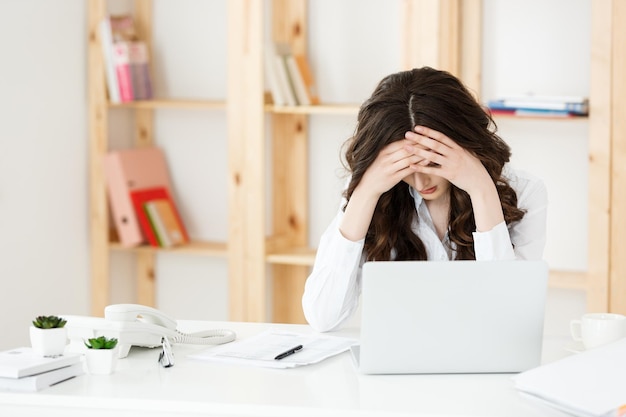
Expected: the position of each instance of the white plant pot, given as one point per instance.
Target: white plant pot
(48, 342)
(101, 361)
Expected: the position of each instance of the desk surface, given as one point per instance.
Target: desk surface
(140, 386)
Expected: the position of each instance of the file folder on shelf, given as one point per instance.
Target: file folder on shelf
(128, 171)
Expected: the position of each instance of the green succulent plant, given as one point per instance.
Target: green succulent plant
(49, 322)
(101, 342)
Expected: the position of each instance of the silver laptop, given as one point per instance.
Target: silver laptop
(451, 317)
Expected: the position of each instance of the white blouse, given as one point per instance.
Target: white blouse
(331, 293)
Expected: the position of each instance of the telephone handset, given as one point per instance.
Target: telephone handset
(139, 325)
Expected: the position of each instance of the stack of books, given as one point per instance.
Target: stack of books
(141, 200)
(549, 106)
(289, 76)
(126, 60)
(23, 370)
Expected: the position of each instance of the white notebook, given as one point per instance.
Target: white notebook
(590, 383)
(43, 380)
(21, 362)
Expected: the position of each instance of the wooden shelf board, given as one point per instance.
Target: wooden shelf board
(568, 279)
(294, 256)
(351, 109)
(203, 248)
(306, 256)
(172, 104)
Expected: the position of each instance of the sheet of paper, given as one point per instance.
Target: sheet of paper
(260, 350)
(589, 383)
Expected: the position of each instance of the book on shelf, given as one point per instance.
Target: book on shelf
(297, 81)
(42, 380)
(113, 29)
(23, 362)
(122, 27)
(273, 77)
(121, 63)
(564, 105)
(301, 78)
(534, 113)
(307, 78)
(140, 70)
(280, 66)
(140, 198)
(126, 60)
(126, 171)
(106, 37)
(166, 222)
(289, 76)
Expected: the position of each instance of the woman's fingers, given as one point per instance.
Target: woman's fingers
(431, 139)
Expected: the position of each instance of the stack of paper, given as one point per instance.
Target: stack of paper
(262, 349)
(589, 384)
(23, 370)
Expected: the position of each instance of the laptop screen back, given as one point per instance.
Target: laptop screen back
(452, 317)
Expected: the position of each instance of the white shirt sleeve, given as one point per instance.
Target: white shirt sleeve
(494, 244)
(524, 239)
(331, 293)
(529, 234)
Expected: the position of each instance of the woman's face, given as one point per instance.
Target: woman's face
(430, 187)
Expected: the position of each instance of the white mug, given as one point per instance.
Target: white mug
(597, 329)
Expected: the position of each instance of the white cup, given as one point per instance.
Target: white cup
(597, 329)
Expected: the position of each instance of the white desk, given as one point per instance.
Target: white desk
(141, 387)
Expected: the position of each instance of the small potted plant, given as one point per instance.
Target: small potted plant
(101, 355)
(48, 335)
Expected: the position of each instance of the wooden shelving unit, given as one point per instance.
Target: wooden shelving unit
(143, 114)
(267, 268)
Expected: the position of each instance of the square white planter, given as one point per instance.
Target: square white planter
(48, 342)
(101, 361)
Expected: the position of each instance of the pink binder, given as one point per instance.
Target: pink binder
(127, 171)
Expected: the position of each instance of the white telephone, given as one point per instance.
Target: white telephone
(137, 325)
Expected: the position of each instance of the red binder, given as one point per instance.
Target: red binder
(140, 198)
(127, 171)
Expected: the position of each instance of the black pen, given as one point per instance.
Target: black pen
(288, 352)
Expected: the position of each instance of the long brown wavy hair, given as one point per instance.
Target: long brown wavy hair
(438, 100)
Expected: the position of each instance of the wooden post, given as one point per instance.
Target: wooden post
(289, 173)
(144, 137)
(420, 33)
(246, 149)
(617, 283)
(98, 131)
(471, 45)
(446, 35)
(599, 193)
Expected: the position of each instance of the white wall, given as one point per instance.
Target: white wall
(44, 256)
(43, 166)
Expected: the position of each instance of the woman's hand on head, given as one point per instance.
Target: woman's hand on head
(442, 156)
(392, 164)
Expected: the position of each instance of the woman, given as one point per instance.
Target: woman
(429, 180)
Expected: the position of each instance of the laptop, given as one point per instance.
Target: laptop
(432, 317)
